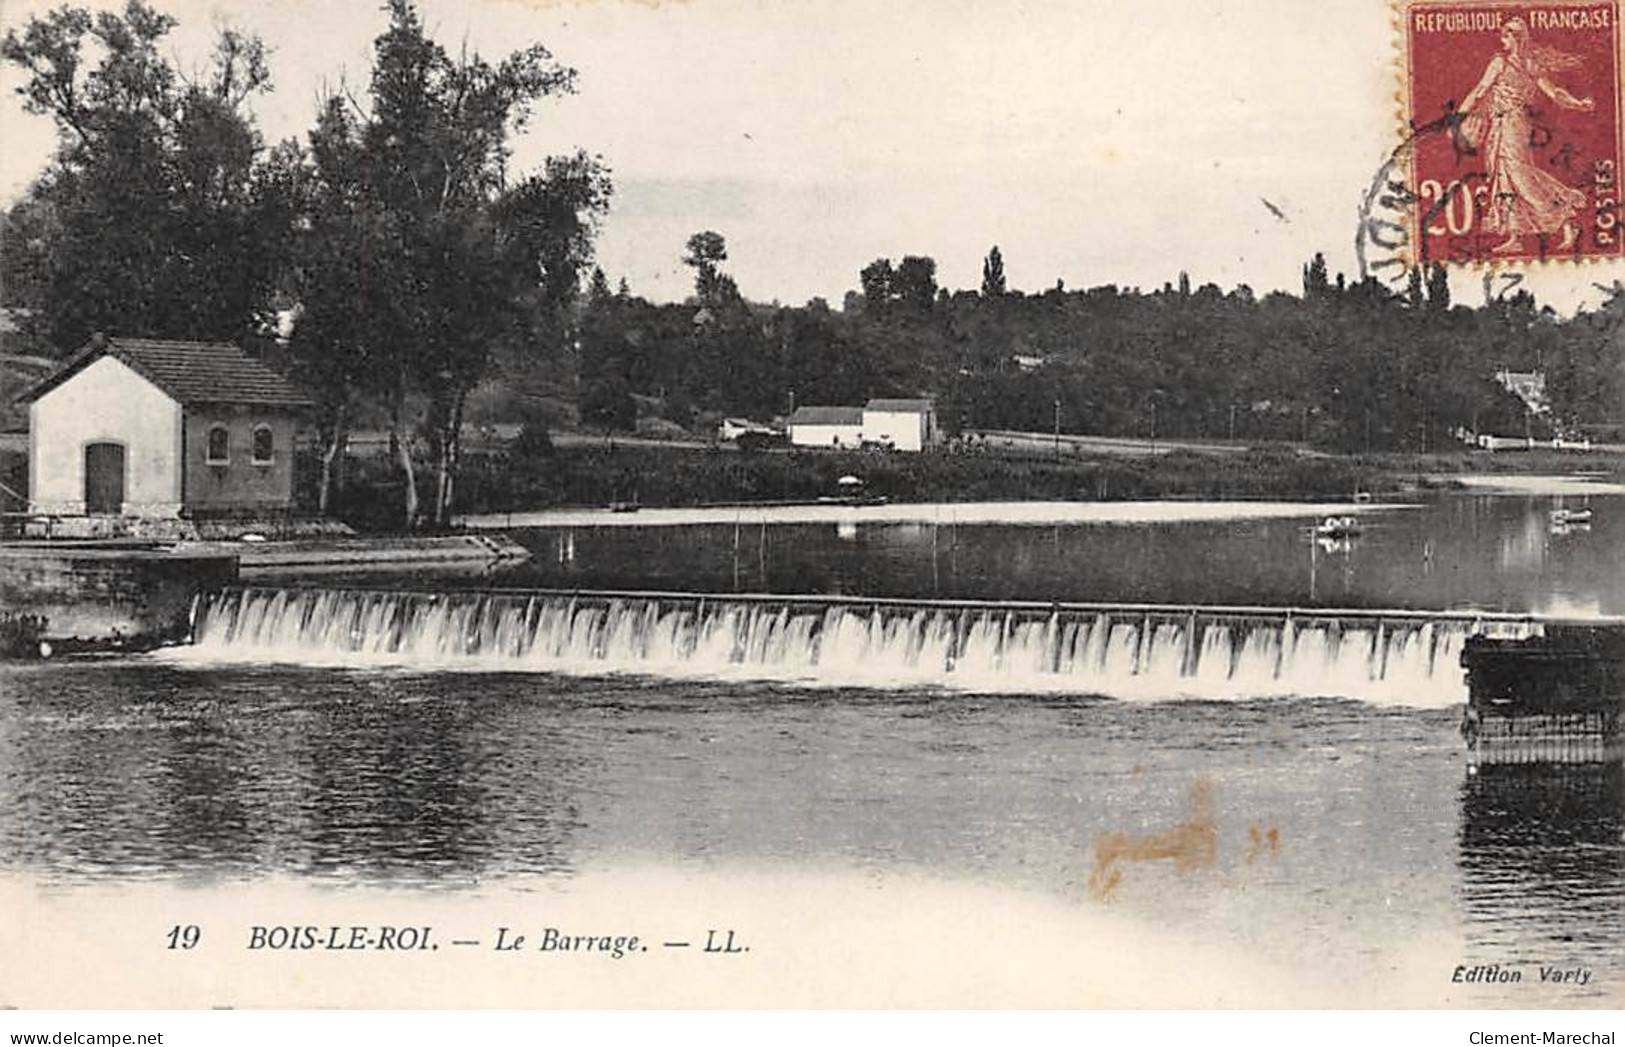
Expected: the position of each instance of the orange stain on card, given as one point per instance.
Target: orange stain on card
(1190, 844)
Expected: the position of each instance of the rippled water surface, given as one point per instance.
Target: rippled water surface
(1487, 551)
(134, 769)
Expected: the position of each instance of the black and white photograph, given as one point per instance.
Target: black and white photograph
(812, 504)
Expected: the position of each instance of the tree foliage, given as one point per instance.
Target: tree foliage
(161, 213)
(424, 261)
(705, 254)
(914, 284)
(993, 274)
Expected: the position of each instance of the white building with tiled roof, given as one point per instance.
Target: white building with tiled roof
(901, 425)
(139, 427)
(905, 425)
(826, 426)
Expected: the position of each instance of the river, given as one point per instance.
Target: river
(1333, 826)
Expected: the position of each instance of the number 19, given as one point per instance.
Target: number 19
(184, 937)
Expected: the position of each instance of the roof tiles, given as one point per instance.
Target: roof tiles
(188, 372)
(827, 416)
(914, 406)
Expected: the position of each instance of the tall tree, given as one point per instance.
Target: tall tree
(1414, 296)
(1315, 284)
(993, 274)
(876, 279)
(705, 254)
(598, 287)
(1438, 288)
(456, 261)
(915, 282)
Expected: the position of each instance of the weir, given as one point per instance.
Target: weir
(1150, 651)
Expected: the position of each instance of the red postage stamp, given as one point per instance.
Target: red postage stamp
(1514, 124)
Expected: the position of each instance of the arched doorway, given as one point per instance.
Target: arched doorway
(104, 478)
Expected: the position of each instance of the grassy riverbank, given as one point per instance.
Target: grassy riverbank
(648, 474)
(658, 476)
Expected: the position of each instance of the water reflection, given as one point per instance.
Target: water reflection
(1476, 550)
(1542, 856)
(350, 780)
(1523, 546)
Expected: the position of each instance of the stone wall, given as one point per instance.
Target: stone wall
(132, 595)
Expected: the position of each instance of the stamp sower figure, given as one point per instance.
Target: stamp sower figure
(1496, 117)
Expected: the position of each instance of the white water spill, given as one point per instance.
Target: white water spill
(1536, 485)
(1139, 656)
(962, 514)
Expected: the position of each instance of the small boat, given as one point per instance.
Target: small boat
(852, 492)
(1564, 517)
(1338, 527)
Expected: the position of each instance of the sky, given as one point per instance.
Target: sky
(1094, 142)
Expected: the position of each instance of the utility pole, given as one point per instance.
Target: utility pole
(1057, 428)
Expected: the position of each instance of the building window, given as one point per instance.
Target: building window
(219, 449)
(263, 445)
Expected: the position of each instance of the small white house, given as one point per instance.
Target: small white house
(136, 427)
(827, 427)
(905, 425)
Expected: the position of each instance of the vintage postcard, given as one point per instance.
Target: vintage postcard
(812, 504)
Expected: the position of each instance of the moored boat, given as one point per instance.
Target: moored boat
(1338, 527)
(1566, 517)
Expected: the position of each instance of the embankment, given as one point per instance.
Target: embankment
(686, 476)
(109, 594)
(658, 476)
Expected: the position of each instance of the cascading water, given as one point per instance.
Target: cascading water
(1117, 652)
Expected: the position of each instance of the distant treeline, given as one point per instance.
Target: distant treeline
(1348, 367)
